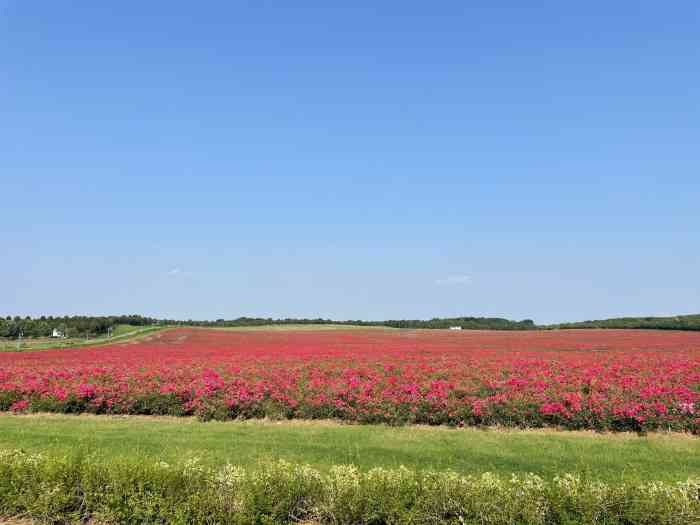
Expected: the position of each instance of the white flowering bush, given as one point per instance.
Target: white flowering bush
(656, 503)
(81, 489)
(589, 500)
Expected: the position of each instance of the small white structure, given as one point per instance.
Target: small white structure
(455, 327)
(56, 333)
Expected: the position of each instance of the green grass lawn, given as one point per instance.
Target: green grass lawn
(125, 329)
(322, 444)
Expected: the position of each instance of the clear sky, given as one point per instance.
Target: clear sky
(379, 160)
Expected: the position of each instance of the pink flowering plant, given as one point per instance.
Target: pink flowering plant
(576, 379)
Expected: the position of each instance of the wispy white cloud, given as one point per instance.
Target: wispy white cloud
(454, 280)
(174, 271)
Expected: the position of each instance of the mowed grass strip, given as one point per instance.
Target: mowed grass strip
(614, 457)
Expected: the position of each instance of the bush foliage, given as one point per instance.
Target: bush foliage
(84, 488)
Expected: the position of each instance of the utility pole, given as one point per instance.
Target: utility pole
(19, 339)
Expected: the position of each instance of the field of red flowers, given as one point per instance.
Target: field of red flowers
(578, 379)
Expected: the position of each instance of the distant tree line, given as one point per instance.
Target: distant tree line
(70, 326)
(80, 326)
(467, 323)
(680, 322)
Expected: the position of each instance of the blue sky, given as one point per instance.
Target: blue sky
(378, 160)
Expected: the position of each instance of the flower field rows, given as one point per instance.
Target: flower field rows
(578, 379)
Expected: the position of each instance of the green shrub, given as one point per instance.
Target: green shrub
(81, 489)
